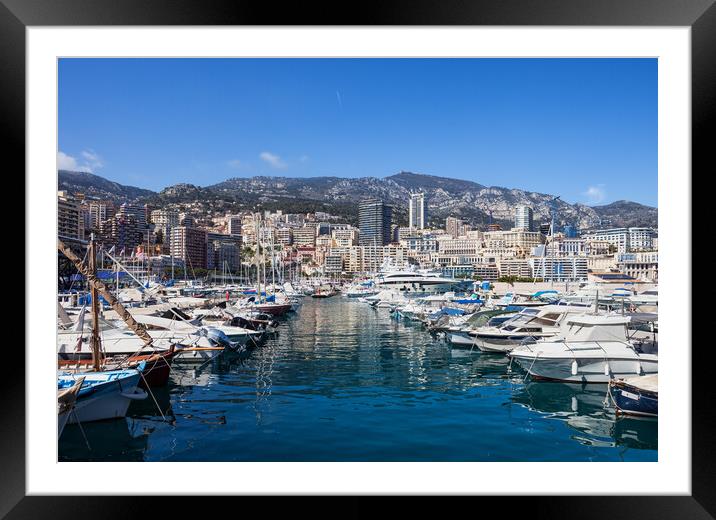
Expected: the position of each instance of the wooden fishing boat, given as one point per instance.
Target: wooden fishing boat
(103, 395)
(66, 398)
(636, 395)
(157, 366)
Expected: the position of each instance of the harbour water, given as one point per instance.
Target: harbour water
(342, 381)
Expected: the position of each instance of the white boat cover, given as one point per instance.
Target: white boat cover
(648, 383)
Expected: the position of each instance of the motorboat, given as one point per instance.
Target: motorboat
(590, 349)
(588, 293)
(361, 290)
(192, 342)
(234, 334)
(386, 298)
(530, 324)
(459, 332)
(74, 343)
(515, 301)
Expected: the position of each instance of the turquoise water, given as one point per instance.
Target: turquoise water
(345, 382)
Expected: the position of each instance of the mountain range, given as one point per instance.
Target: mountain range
(476, 203)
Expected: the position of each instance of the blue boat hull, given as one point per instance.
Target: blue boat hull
(633, 401)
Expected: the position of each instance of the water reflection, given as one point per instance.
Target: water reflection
(584, 409)
(343, 381)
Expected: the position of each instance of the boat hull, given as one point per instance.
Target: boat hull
(196, 355)
(588, 370)
(110, 400)
(499, 345)
(157, 370)
(629, 400)
(155, 373)
(461, 338)
(273, 310)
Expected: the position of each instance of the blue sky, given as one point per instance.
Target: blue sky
(585, 129)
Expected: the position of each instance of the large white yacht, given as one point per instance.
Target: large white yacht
(417, 281)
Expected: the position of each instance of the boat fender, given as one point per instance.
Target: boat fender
(575, 367)
(606, 369)
(639, 369)
(137, 395)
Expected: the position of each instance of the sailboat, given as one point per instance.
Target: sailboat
(103, 394)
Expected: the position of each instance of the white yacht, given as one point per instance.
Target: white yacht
(417, 281)
(528, 325)
(386, 298)
(591, 349)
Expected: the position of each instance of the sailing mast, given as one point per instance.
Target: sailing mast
(257, 230)
(92, 280)
(94, 294)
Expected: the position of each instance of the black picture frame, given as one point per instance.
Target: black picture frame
(700, 15)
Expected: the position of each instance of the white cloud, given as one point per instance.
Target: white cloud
(596, 194)
(94, 161)
(235, 163)
(66, 162)
(273, 160)
(91, 163)
(303, 158)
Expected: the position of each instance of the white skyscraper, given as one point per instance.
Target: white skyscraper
(523, 218)
(417, 211)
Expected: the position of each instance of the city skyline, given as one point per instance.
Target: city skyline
(581, 128)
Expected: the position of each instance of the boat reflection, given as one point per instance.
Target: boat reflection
(105, 441)
(582, 408)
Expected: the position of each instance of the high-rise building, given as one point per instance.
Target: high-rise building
(625, 239)
(454, 227)
(417, 211)
(234, 224)
(99, 211)
(305, 236)
(139, 212)
(70, 221)
(164, 218)
(374, 221)
(523, 218)
(284, 236)
(189, 245)
(223, 251)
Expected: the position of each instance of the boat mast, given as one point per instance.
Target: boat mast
(257, 230)
(94, 294)
(92, 281)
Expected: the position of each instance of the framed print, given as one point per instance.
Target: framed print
(411, 252)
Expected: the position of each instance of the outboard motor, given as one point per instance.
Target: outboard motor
(220, 338)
